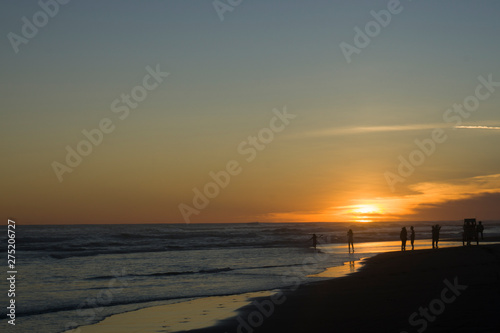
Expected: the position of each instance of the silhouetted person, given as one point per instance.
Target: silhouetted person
(435, 235)
(403, 235)
(476, 234)
(464, 234)
(469, 230)
(315, 240)
(350, 240)
(412, 237)
(480, 229)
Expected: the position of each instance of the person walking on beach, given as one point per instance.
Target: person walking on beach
(314, 238)
(435, 235)
(412, 237)
(403, 236)
(350, 240)
(480, 229)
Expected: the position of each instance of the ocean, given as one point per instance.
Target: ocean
(74, 275)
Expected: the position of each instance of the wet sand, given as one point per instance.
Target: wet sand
(445, 290)
(175, 317)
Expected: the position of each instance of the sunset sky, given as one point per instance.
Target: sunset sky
(263, 89)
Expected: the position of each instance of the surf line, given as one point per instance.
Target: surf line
(248, 148)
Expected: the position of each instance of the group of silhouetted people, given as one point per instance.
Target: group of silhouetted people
(403, 235)
(470, 231)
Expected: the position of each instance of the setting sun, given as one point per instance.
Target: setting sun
(366, 209)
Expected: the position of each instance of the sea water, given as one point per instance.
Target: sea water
(74, 275)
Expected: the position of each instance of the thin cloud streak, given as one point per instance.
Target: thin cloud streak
(479, 127)
(335, 131)
(373, 129)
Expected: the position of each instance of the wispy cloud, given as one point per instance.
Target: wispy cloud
(372, 129)
(353, 130)
(479, 127)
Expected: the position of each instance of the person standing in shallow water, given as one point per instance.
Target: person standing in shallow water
(403, 235)
(350, 240)
(314, 238)
(412, 237)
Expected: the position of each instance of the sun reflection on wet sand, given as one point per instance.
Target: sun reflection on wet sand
(339, 271)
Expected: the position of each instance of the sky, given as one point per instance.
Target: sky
(240, 111)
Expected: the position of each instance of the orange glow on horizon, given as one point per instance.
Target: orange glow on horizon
(379, 208)
(364, 213)
(365, 209)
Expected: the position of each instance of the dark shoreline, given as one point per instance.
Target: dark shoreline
(385, 293)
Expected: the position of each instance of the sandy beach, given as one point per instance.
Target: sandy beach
(446, 290)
